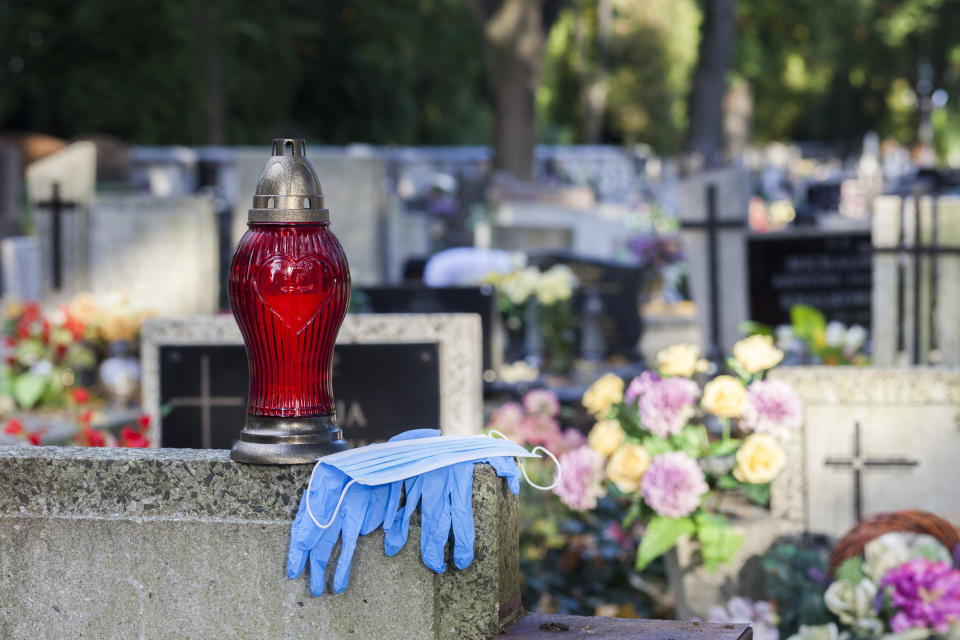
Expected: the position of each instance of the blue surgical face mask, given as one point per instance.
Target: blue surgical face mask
(387, 462)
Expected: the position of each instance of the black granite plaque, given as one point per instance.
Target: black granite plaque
(380, 390)
(829, 271)
(618, 285)
(420, 299)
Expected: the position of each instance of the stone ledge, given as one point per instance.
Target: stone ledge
(163, 543)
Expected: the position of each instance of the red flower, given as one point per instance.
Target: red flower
(81, 396)
(34, 439)
(94, 438)
(75, 327)
(85, 417)
(14, 427)
(10, 341)
(129, 437)
(144, 422)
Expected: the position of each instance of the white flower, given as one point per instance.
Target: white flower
(819, 632)
(896, 548)
(856, 336)
(853, 604)
(519, 285)
(835, 334)
(760, 615)
(555, 285)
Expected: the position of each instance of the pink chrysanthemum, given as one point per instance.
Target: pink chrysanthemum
(665, 405)
(771, 405)
(540, 428)
(582, 480)
(926, 595)
(674, 484)
(508, 419)
(542, 401)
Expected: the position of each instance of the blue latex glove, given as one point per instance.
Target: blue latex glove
(445, 497)
(363, 510)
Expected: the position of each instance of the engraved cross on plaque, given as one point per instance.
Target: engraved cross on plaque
(859, 463)
(206, 402)
(57, 207)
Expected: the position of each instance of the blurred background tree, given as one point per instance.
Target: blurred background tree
(430, 72)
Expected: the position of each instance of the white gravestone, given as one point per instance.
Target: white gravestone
(21, 267)
(897, 289)
(873, 440)
(729, 232)
(353, 189)
(72, 172)
(160, 251)
(457, 336)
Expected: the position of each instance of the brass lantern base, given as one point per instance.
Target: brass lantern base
(288, 440)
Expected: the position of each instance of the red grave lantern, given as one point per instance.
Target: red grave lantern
(289, 289)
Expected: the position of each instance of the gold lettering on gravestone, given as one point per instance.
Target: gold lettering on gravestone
(354, 417)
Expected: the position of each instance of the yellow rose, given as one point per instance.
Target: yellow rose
(759, 459)
(605, 437)
(602, 395)
(757, 353)
(724, 397)
(627, 466)
(84, 308)
(679, 360)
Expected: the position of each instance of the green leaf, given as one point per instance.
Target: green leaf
(850, 569)
(661, 536)
(692, 440)
(28, 389)
(655, 446)
(808, 323)
(718, 541)
(634, 513)
(751, 328)
(757, 493)
(725, 447)
(727, 481)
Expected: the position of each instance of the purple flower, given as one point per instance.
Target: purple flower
(926, 595)
(582, 480)
(771, 406)
(665, 404)
(674, 484)
(542, 401)
(569, 440)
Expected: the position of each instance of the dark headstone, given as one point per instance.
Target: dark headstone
(829, 271)
(380, 390)
(421, 299)
(619, 287)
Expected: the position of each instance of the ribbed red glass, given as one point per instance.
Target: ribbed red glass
(289, 290)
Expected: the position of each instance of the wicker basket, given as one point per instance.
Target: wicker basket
(852, 544)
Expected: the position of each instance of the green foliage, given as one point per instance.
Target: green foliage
(692, 440)
(850, 570)
(661, 536)
(756, 493)
(28, 388)
(718, 541)
(338, 71)
(796, 578)
(808, 323)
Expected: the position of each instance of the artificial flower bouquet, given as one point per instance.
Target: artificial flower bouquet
(904, 586)
(548, 294)
(665, 444)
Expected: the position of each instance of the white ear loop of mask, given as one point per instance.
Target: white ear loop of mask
(343, 494)
(523, 469)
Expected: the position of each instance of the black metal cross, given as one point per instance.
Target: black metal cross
(859, 463)
(57, 208)
(713, 225)
(206, 402)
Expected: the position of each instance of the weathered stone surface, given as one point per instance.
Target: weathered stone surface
(178, 543)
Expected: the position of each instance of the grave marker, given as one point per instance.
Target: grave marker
(418, 299)
(391, 373)
(712, 208)
(826, 270)
(22, 268)
(906, 424)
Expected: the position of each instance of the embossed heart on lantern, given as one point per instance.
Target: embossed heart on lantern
(295, 290)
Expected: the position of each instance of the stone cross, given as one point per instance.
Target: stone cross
(57, 207)
(712, 225)
(859, 463)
